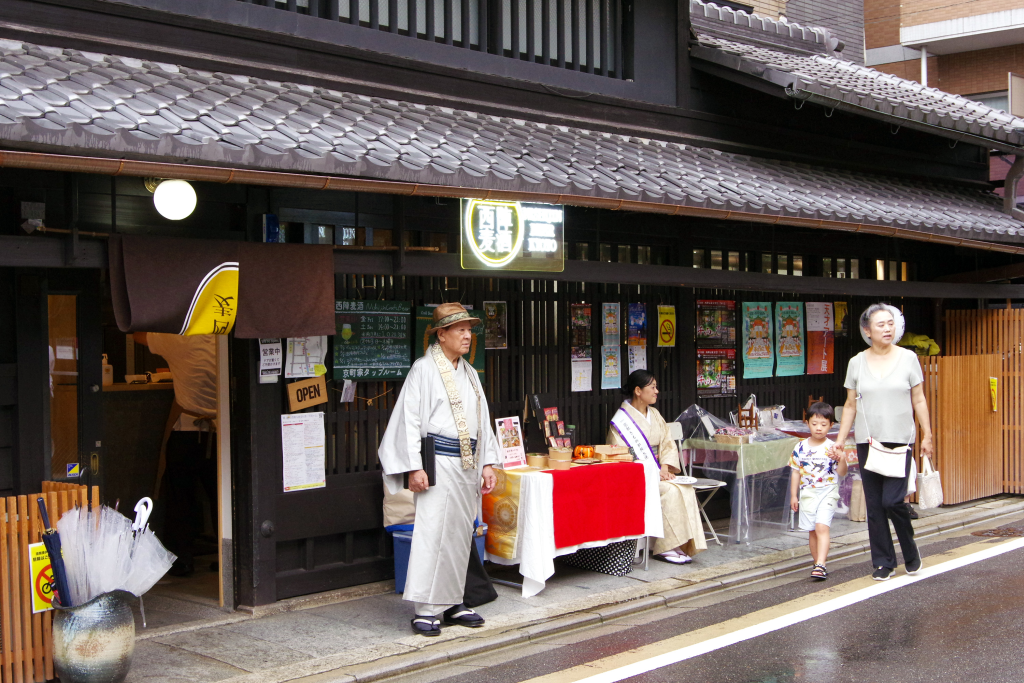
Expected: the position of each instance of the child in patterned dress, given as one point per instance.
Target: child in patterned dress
(814, 484)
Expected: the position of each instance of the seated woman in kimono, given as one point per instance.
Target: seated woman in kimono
(640, 426)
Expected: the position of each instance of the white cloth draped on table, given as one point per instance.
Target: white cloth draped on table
(535, 550)
(680, 513)
(444, 513)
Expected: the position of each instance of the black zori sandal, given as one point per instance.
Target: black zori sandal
(426, 625)
(463, 616)
(819, 572)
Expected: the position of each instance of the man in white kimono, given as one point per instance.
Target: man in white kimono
(442, 397)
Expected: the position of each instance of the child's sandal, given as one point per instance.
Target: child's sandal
(819, 572)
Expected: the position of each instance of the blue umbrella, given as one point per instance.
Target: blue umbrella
(51, 539)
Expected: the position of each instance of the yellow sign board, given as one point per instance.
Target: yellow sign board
(42, 577)
(666, 325)
(993, 387)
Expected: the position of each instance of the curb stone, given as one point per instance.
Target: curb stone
(450, 651)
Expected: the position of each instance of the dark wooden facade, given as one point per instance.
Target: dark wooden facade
(298, 543)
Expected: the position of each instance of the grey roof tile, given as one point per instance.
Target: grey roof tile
(806, 64)
(129, 106)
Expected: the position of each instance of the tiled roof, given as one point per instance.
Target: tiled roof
(802, 61)
(78, 102)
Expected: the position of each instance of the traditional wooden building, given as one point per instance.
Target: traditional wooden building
(700, 152)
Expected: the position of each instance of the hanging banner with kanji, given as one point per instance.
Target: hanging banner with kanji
(820, 338)
(789, 338)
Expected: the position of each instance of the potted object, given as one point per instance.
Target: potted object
(94, 642)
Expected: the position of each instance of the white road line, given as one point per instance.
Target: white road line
(805, 614)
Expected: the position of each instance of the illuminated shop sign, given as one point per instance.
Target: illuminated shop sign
(512, 235)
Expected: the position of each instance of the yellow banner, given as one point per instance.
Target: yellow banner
(993, 387)
(666, 325)
(42, 577)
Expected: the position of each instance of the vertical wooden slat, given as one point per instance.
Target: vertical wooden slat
(545, 24)
(589, 38)
(574, 26)
(560, 27)
(531, 30)
(484, 23)
(375, 14)
(449, 27)
(353, 12)
(431, 28)
(6, 620)
(603, 43)
(35, 535)
(413, 18)
(514, 26)
(25, 588)
(467, 26)
(14, 552)
(393, 15)
(617, 33)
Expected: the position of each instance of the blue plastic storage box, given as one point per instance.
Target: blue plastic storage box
(402, 533)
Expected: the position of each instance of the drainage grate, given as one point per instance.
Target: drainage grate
(1006, 531)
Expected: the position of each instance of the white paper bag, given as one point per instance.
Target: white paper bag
(929, 486)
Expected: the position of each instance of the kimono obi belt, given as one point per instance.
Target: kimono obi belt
(450, 447)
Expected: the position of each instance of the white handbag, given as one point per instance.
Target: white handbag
(929, 486)
(888, 462)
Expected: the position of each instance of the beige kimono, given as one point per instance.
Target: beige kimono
(679, 509)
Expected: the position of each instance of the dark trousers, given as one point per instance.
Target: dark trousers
(190, 477)
(883, 497)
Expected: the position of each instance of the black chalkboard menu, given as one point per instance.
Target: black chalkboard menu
(371, 339)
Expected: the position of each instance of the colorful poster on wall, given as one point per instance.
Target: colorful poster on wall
(716, 324)
(716, 372)
(582, 368)
(579, 321)
(637, 358)
(636, 325)
(842, 321)
(666, 326)
(610, 316)
(820, 338)
(636, 336)
(421, 340)
(758, 346)
(496, 325)
(611, 362)
(789, 338)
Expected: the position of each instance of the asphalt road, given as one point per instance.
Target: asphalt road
(960, 621)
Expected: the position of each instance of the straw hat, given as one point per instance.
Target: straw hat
(447, 315)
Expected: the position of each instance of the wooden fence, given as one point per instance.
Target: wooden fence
(966, 432)
(26, 639)
(971, 333)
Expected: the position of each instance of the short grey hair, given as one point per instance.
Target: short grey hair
(865, 317)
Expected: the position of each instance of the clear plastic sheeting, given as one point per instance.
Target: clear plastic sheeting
(757, 477)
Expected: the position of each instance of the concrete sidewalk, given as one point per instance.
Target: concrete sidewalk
(363, 634)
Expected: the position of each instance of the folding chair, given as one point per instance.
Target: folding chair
(702, 486)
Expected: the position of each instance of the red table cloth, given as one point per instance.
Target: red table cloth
(598, 502)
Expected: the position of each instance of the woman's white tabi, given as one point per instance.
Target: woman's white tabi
(680, 512)
(444, 512)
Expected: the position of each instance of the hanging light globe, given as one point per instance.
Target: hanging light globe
(174, 199)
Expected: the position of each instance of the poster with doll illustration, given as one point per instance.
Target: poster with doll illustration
(789, 338)
(758, 346)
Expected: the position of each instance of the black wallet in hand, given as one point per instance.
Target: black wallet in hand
(429, 459)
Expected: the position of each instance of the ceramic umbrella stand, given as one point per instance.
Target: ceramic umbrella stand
(94, 642)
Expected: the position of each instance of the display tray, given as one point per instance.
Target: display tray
(728, 438)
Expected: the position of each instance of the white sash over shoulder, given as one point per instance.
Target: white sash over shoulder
(635, 438)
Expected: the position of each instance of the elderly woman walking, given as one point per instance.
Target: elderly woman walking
(884, 394)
